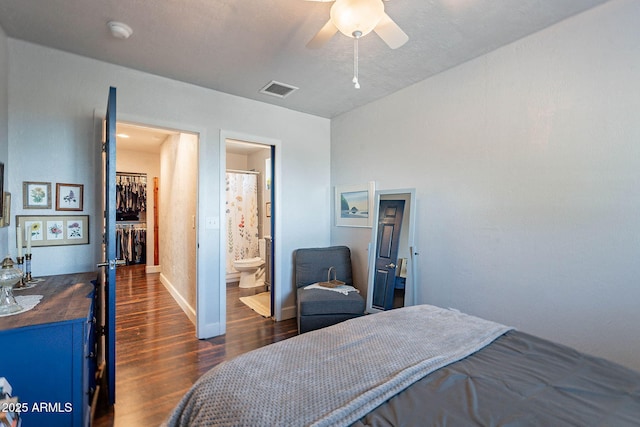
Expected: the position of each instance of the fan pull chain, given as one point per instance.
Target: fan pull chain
(356, 36)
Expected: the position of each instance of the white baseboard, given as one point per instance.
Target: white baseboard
(288, 312)
(184, 305)
(152, 269)
(233, 277)
(209, 330)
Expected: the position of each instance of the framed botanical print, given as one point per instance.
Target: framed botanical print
(36, 195)
(69, 197)
(53, 230)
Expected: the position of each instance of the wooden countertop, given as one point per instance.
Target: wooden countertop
(65, 297)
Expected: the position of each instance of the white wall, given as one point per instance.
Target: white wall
(237, 161)
(178, 206)
(526, 165)
(52, 137)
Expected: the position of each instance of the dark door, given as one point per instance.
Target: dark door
(389, 226)
(271, 247)
(109, 262)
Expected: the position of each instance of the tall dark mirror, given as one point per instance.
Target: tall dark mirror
(392, 251)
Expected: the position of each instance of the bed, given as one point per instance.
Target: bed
(414, 366)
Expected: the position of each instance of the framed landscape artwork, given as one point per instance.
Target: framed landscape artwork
(1, 188)
(354, 205)
(5, 221)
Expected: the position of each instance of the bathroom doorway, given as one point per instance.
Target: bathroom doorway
(248, 224)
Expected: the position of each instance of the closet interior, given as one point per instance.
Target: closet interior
(131, 217)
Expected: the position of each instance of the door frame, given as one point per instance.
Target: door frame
(275, 232)
(205, 323)
(407, 245)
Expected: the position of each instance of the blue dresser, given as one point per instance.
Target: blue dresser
(48, 353)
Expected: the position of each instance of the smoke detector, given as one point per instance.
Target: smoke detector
(119, 30)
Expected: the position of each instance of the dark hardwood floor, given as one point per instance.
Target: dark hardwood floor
(157, 354)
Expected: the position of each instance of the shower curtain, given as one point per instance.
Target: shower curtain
(241, 217)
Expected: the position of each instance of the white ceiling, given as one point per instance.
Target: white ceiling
(141, 138)
(132, 137)
(238, 46)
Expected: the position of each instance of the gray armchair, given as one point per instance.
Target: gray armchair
(318, 308)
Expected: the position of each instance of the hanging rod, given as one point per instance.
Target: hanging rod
(241, 171)
(131, 226)
(131, 174)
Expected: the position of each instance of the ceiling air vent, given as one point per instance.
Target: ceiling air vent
(278, 89)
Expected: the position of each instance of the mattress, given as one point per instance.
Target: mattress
(518, 380)
(415, 366)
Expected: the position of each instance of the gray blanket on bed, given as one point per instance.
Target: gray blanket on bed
(335, 375)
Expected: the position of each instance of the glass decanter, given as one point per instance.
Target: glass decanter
(9, 276)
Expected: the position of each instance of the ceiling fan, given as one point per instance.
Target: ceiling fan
(357, 18)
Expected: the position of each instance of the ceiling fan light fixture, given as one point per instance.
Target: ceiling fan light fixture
(351, 16)
(355, 19)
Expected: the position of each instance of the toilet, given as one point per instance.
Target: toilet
(251, 271)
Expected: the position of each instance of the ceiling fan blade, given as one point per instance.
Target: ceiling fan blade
(323, 36)
(390, 32)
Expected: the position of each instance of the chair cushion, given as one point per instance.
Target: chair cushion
(318, 301)
(312, 265)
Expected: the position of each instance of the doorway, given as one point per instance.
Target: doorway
(166, 160)
(248, 223)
